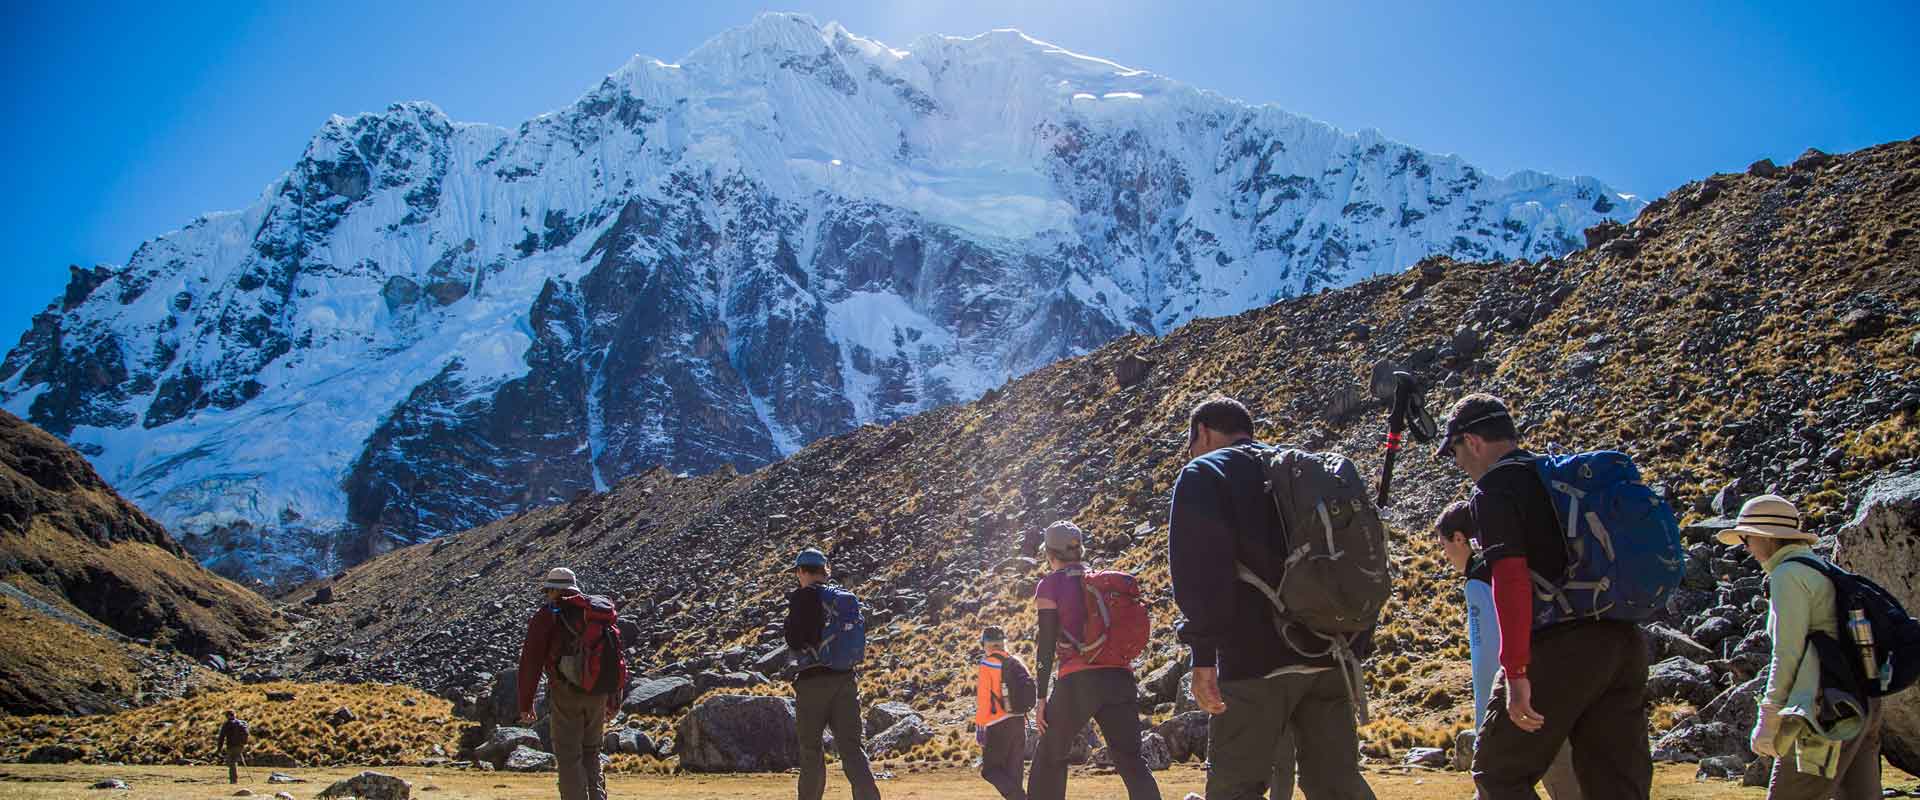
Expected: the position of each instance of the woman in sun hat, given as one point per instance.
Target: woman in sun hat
(1812, 759)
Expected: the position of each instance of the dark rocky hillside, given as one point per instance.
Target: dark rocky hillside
(98, 605)
(1751, 331)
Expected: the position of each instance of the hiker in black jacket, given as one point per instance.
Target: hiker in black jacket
(1580, 681)
(1257, 687)
(233, 745)
(823, 697)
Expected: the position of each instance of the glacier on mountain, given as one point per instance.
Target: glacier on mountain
(425, 325)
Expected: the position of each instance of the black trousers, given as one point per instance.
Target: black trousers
(1106, 696)
(1003, 759)
(1590, 682)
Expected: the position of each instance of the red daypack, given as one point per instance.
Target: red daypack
(1117, 626)
(592, 659)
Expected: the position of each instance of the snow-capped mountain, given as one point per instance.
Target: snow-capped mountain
(426, 325)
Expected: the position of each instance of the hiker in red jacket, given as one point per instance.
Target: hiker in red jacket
(577, 716)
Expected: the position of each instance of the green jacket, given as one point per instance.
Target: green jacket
(1801, 601)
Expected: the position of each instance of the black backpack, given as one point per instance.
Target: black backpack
(1021, 693)
(1896, 635)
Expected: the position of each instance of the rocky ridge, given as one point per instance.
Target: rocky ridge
(427, 325)
(99, 606)
(1750, 332)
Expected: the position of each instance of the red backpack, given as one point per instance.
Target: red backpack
(1117, 626)
(592, 659)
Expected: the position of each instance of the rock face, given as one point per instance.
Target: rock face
(736, 733)
(1882, 542)
(791, 232)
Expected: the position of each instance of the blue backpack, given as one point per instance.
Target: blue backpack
(843, 634)
(1624, 554)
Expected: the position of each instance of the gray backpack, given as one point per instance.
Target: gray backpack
(1329, 556)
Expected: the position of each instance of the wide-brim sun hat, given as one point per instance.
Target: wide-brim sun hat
(1768, 515)
(561, 579)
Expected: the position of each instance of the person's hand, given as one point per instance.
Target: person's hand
(1520, 706)
(1765, 729)
(1040, 715)
(1206, 690)
(526, 718)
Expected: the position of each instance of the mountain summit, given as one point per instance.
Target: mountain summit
(426, 325)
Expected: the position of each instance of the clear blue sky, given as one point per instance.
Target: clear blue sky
(123, 122)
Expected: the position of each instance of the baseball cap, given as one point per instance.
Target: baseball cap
(810, 557)
(1466, 413)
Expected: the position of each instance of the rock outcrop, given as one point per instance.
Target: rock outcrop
(98, 604)
(1882, 542)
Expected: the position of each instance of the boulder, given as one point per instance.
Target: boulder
(1759, 771)
(280, 697)
(1764, 168)
(709, 681)
(1677, 678)
(660, 696)
(1664, 642)
(1882, 542)
(1153, 750)
(1131, 369)
(629, 741)
(113, 783)
(1185, 735)
(281, 777)
(1425, 757)
(342, 716)
(1722, 767)
(885, 715)
(738, 733)
(1183, 701)
(528, 759)
(503, 700)
(369, 786)
(901, 737)
(1162, 685)
(503, 742)
(1719, 729)
(1713, 630)
(1463, 750)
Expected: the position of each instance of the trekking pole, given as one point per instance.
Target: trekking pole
(1403, 391)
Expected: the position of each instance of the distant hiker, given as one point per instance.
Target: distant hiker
(1093, 623)
(1572, 659)
(574, 640)
(1456, 531)
(1825, 737)
(233, 745)
(1259, 688)
(1004, 695)
(827, 636)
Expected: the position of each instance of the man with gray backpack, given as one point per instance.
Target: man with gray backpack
(1281, 589)
(827, 637)
(1581, 550)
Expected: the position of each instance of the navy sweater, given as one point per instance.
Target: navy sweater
(1219, 499)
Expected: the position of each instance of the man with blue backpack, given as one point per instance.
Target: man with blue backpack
(1581, 550)
(827, 636)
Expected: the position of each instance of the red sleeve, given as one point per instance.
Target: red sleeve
(533, 657)
(1513, 609)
